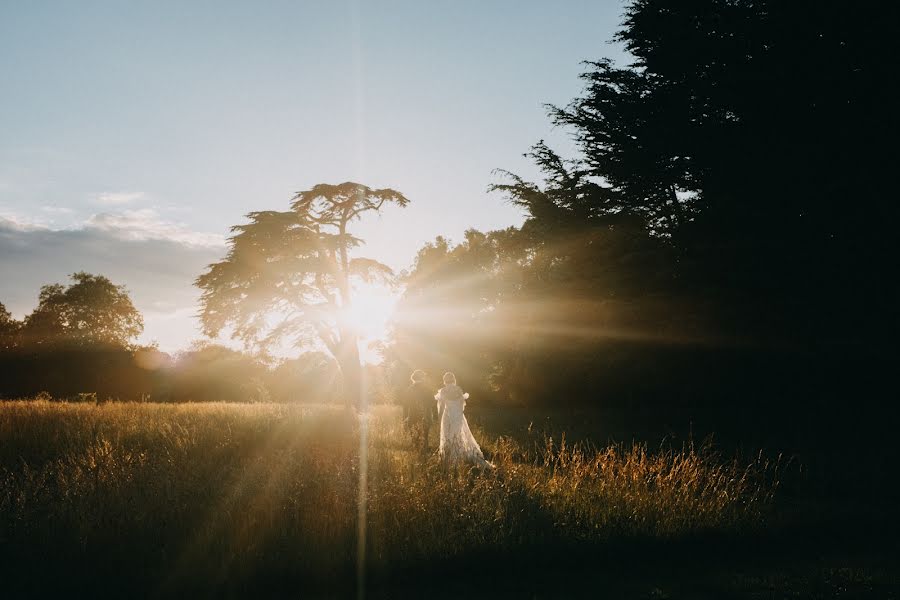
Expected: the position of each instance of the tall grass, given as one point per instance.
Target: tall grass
(220, 494)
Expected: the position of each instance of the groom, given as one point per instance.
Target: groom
(418, 409)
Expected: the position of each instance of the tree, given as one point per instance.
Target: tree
(749, 136)
(525, 309)
(631, 127)
(8, 328)
(446, 318)
(209, 372)
(90, 311)
(290, 276)
(790, 95)
(311, 377)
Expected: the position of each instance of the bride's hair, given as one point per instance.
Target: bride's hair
(449, 378)
(417, 375)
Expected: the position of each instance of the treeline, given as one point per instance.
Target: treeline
(206, 373)
(78, 344)
(723, 244)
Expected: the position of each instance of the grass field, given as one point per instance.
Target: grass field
(155, 500)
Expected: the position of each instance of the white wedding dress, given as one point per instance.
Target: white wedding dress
(458, 445)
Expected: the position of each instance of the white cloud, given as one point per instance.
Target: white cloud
(146, 224)
(117, 198)
(58, 210)
(14, 222)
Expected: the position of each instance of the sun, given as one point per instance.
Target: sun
(370, 315)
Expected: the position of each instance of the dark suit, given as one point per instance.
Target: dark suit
(418, 412)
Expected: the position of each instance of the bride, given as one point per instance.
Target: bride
(457, 443)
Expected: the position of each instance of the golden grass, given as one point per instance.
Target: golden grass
(222, 491)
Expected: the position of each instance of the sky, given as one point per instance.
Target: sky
(133, 135)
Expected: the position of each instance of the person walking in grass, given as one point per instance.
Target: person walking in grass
(457, 444)
(418, 410)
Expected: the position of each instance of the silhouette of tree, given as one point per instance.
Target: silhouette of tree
(630, 126)
(579, 229)
(78, 339)
(447, 317)
(90, 311)
(523, 309)
(748, 134)
(9, 328)
(289, 276)
(731, 186)
(787, 94)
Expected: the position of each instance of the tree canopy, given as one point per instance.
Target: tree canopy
(730, 190)
(748, 136)
(8, 328)
(90, 311)
(289, 276)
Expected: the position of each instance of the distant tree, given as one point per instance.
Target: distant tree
(289, 276)
(447, 317)
(9, 327)
(523, 308)
(212, 372)
(311, 377)
(90, 311)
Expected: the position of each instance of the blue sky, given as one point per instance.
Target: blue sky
(134, 134)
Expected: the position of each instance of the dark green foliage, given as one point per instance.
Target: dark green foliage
(751, 133)
(68, 371)
(77, 340)
(90, 311)
(9, 329)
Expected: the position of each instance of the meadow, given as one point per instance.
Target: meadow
(216, 499)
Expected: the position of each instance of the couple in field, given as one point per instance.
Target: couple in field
(457, 444)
